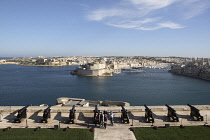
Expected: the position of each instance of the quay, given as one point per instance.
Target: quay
(84, 116)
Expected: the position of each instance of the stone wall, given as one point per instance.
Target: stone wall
(65, 109)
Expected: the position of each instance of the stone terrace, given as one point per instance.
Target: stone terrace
(84, 116)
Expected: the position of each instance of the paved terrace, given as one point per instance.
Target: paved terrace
(84, 116)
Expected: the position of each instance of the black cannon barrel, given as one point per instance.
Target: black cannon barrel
(170, 108)
(147, 108)
(46, 114)
(21, 114)
(23, 109)
(96, 109)
(73, 109)
(47, 109)
(167, 105)
(123, 109)
(192, 107)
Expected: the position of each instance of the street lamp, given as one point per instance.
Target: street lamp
(206, 119)
(0, 117)
(26, 123)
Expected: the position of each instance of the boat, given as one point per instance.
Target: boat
(125, 70)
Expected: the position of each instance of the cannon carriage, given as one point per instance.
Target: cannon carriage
(124, 115)
(72, 115)
(21, 114)
(46, 115)
(148, 115)
(195, 113)
(172, 116)
(96, 119)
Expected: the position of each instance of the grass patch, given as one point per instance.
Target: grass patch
(173, 133)
(46, 134)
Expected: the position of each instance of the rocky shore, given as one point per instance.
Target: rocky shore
(191, 71)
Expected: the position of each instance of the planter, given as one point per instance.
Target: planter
(181, 126)
(155, 127)
(7, 129)
(92, 129)
(131, 129)
(38, 128)
(66, 129)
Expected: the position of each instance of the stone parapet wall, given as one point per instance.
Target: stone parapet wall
(65, 109)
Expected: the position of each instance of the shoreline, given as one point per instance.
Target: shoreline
(36, 65)
(191, 76)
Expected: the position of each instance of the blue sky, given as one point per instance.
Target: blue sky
(105, 28)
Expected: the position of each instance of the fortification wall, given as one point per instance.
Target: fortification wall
(65, 109)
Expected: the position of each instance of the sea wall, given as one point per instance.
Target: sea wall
(191, 71)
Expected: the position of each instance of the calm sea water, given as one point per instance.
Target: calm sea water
(23, 85)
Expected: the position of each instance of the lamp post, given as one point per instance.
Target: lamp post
(206, 119)
(181, 121)
(0, 117)
(26, 123)
(59, 124)
(132, 122)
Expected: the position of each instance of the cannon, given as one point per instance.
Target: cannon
(96, 115)
(195, 113)
(46, 114)
(72, 115)
(21, 114)
(124, 115)
(172, 116)
(148, 115)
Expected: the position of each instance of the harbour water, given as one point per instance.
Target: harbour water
(27, 85)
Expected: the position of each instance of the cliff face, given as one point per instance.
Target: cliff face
(192, 71)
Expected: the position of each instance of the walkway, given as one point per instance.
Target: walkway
(114, 133)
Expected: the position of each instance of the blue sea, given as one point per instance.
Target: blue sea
(35, 85)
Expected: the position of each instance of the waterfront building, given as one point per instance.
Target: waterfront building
(3, 61)
(93, 69)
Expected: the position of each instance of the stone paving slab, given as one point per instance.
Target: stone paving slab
(114, 133)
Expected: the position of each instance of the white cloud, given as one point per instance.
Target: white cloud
(152, 4)
(170, 24)
(195, 7)
(132, 24)
(145, 14)
(105, 13)
(139, 25)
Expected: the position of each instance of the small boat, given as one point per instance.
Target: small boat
(131, 70)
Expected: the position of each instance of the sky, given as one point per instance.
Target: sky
(164, 28)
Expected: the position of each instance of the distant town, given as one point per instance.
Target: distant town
(107, 65)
